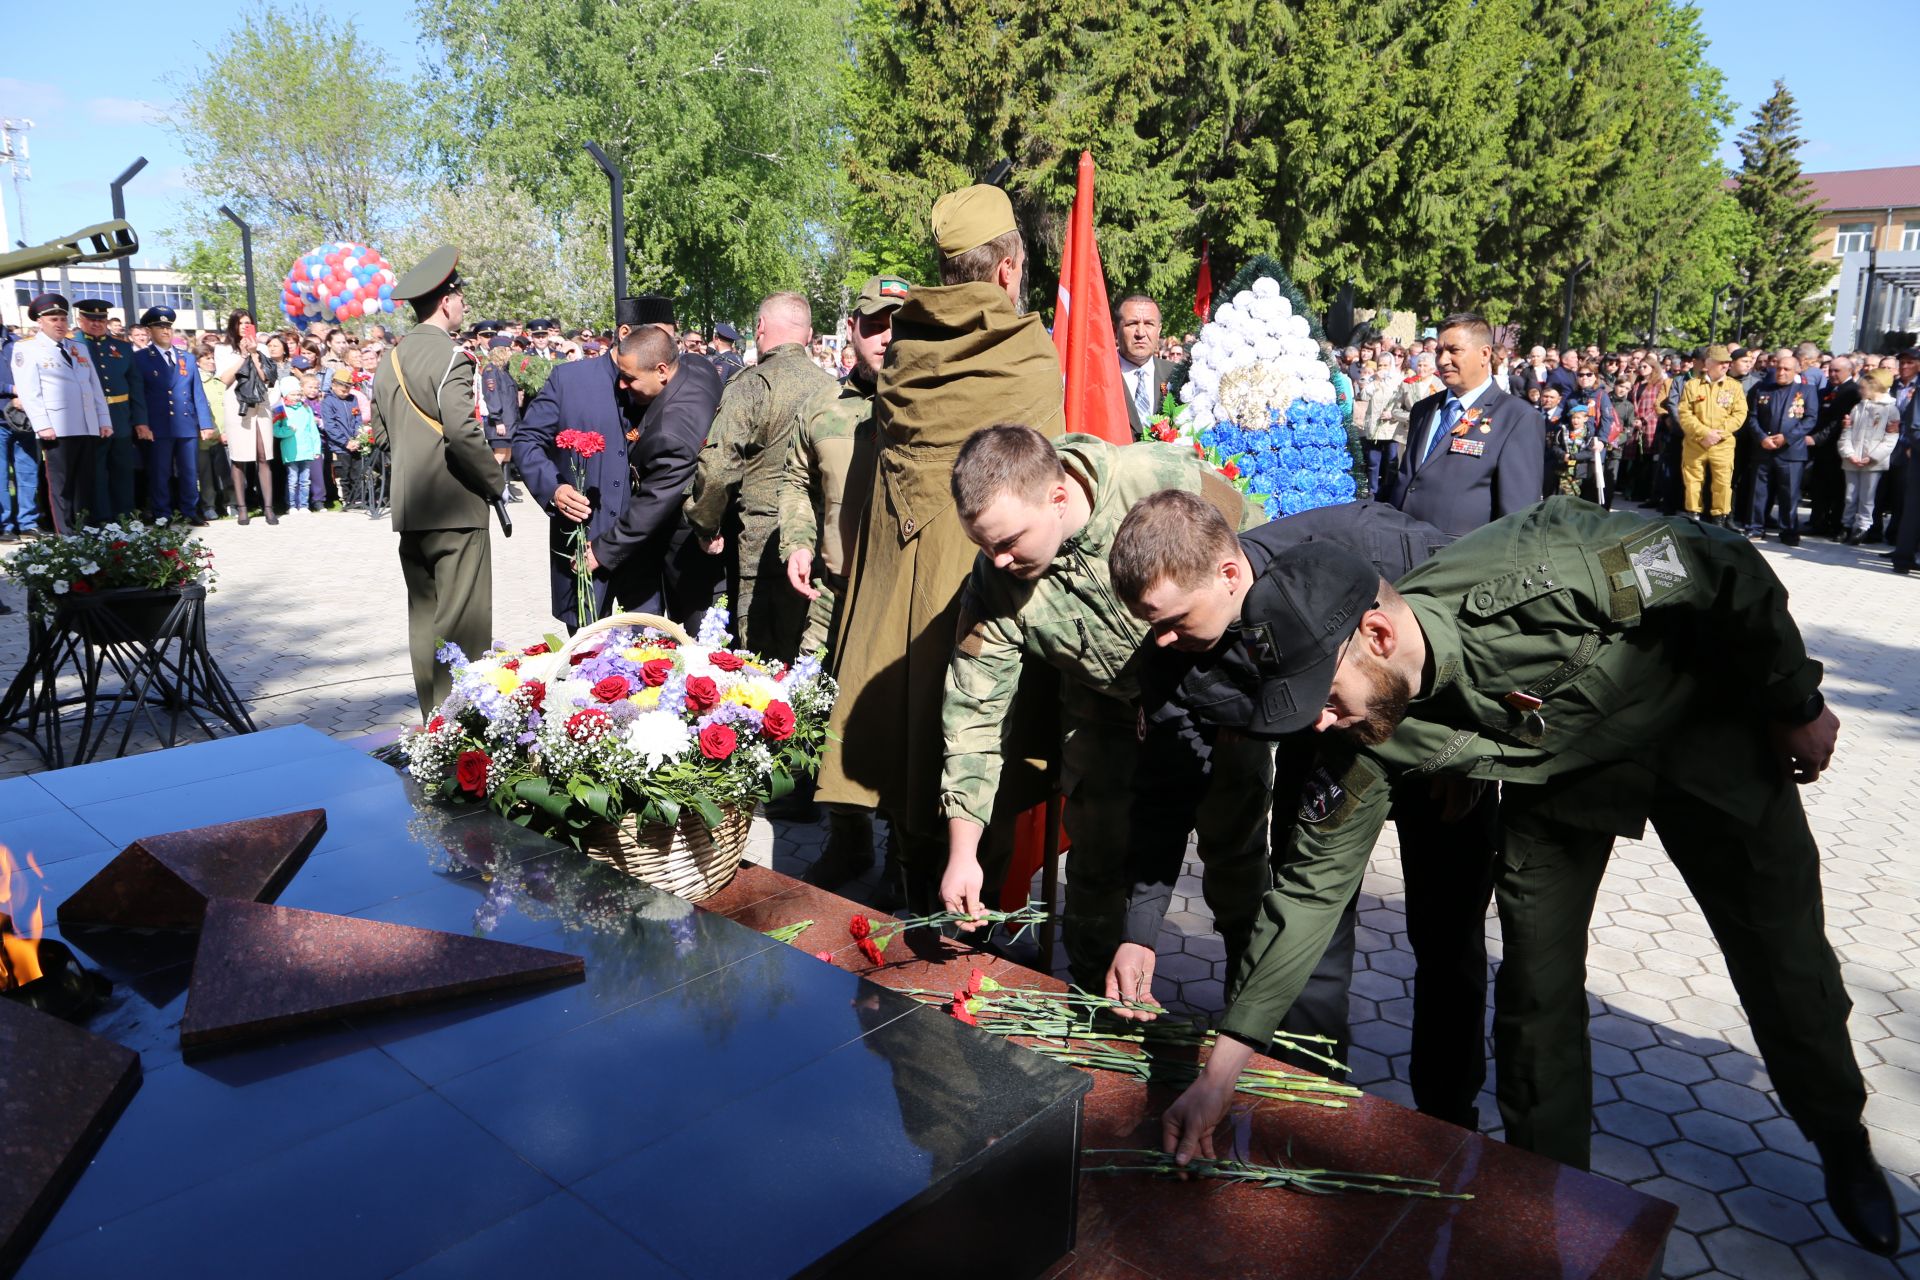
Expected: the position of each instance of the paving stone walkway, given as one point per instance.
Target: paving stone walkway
(309, 623)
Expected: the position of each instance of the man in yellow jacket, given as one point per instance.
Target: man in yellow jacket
(1713, 408)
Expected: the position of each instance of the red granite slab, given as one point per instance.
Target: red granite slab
(61, 1089)
(749, 884)
(164, 881)
(263, 969)
(1529, 1216)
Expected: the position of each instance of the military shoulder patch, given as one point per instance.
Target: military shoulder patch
(1658, 566)
(1329, 798)
(1320, 796)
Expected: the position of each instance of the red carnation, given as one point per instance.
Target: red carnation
(1230, 471)
(585, 443)
(471, 771)
(535, 650)
(960, 1010)
(655, 671)
(871, 952)
(717, 742)
(777, 723)
(511, 664)
(974, 981)
(586, 721)
(168, 553)
(81, 587)
(702, 693)
(536, 694)
(611, 689)
(824, 956)
(1198, 452)
(116, 544)
(579, 658)
(860, 927)
(726, 660)
(434, 725)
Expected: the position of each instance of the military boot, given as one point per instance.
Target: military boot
(849, 849)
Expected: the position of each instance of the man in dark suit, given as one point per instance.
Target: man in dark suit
(1143, 374)
(1474, 453)
(500, 402)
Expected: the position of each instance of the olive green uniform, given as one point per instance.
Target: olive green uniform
(444, 474)
(118, 457)
(1071, 619)
(739, 473)
(829, 460)
(1660, 651)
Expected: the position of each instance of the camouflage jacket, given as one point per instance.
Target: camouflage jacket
(740, 466)
(1069, 617)
(829, 458)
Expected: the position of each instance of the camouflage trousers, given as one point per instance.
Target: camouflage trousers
(1101, 750)
(768, 615)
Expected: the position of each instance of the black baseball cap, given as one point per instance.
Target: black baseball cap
(1297, 615)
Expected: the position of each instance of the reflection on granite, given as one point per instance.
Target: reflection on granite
(263, 969)
(164, 881)
(60, 1091)
(505, 1129)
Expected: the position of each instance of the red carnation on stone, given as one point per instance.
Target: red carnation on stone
(859, 927)
(611, 689)
(717, 742)
(960, 1010)
(702, 693)
(871, 952)
(777, 722)
(974, 981)
(655, 671)
(825, 957)
(726, 660)
(470, 771)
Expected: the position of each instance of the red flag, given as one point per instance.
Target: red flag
(1203, 286)
(1083, 327)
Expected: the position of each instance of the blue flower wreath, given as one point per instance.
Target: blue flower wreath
(1299, 463)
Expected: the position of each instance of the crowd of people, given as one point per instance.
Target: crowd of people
(1486, 651)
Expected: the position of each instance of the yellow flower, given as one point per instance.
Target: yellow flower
(504, 680)
(635, 653)
(648, 697)
(755, 693)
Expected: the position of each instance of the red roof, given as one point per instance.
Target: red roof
(1847, 189)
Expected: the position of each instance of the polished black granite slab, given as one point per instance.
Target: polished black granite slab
(707, 1102)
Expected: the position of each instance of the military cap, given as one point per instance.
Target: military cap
(157, 315)
(497, 341)
(436, 273)
(1908, 353)
(92, 306)
(542, 326)
(46, 304)
(648, 308)
(1298, 616)
(1734, 353)
(726, 331)
(1717, 354)
(968, 218)
(881, 293)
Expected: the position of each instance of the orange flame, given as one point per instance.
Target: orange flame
(19, 953)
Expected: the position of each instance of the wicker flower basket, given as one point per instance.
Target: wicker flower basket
(686, 859)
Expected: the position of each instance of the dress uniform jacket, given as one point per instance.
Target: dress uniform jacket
(57, 387)
(176, 399)
(125, 390)
(1493, 463)
(442, 479)
(1607, 671)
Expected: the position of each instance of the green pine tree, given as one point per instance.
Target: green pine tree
(1781, 282)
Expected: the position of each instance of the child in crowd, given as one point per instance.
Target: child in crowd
(216, 483)
(1866, 444)
(299, 436)
(340, 430)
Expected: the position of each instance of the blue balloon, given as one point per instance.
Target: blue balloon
(386, 293)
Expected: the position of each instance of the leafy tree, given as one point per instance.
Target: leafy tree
(303, 129)
(1781, 281)
(714, 112)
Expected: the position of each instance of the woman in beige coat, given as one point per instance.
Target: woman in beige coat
(246, 373)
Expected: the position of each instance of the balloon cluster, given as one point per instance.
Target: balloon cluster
(338, 281)
(1254, 359)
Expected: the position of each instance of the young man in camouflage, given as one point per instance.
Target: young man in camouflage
(1043, 514)
(823, 496)
(736, 485)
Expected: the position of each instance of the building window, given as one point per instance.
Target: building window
(106, 289)
(1910, 238)
(1852, 237)
(161, 295)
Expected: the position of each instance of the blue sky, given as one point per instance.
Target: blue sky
(92, 86)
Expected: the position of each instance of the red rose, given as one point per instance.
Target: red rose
(169, 553)
(777, 723)
(535, 650)
(726, 661)
(717, 742)
(871, 952)
(586, 722)
(471, 771)
(702, 693)
(116, 544)
(536, 694)
(81, 587)
(579, 658)
(859, 927)
(655, 671)
(511, 664)
(612, 689)
(434, 725)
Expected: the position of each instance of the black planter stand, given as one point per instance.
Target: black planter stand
(154, 643)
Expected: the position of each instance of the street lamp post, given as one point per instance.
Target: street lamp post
(246, 258)
(1713, 319)
(1566, 315)
(118, 187)
(617, 182)
(1653, 325)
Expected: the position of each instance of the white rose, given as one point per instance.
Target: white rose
(1242, 298)
(1267, 287)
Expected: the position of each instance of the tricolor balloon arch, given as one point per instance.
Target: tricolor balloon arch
(335, 282)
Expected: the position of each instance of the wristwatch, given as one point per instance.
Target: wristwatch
(1805, 712)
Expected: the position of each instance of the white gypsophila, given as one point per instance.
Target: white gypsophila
(759, 759)
(657, 738)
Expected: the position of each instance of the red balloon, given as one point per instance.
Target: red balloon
(299, 271)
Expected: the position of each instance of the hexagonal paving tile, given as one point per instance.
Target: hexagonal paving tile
(1735, 1100)
(1773, 1215)
(1690, 1162)
(1635, 1123)
(1740, 1252)
(1675, 1064)
(1722, 1133)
